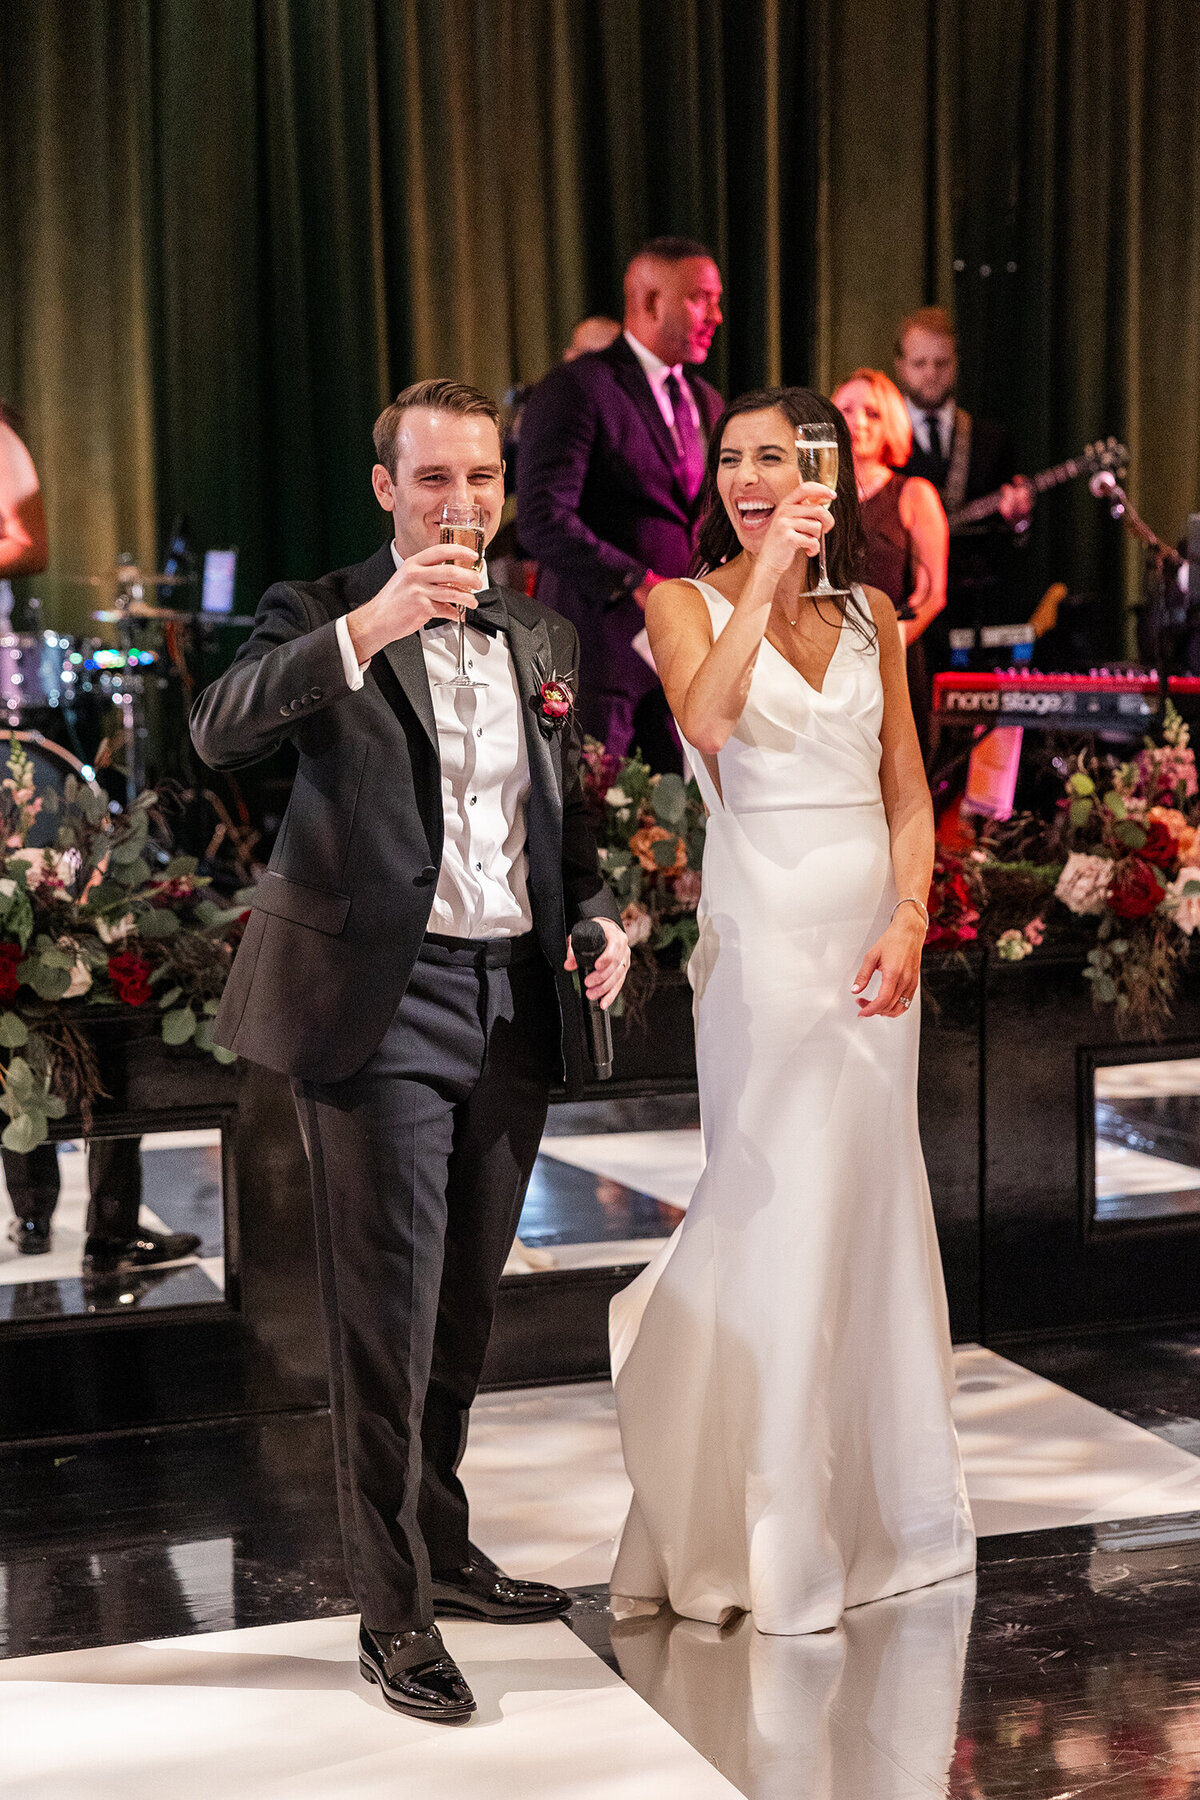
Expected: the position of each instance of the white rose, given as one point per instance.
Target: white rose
(46, 865)
(114, 931)
(81, 975)
(1185, 908)
(616, 797)
(1084, 883)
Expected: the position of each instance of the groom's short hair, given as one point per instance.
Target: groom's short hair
(437, 395)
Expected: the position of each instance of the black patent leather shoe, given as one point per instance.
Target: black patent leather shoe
(31, 1236)
(148, 1250)
(482, 1591)
(416, 1674)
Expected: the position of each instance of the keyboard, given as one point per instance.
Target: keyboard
(1121, 703)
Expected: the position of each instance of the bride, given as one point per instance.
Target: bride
(783, 1369)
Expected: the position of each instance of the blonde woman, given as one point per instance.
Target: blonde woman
(903, 520)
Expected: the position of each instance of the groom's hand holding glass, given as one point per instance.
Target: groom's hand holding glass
(429, 584)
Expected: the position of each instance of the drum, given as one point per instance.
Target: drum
(51, 766)
(27, 675)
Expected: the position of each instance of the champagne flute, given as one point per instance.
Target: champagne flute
(462, 523)
(817, 460)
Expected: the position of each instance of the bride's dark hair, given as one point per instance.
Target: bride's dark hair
(845, 546)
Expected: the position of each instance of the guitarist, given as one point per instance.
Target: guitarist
(963, 457)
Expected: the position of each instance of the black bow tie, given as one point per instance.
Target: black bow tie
(488, 614)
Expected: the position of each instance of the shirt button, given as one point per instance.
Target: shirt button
(472, 800)
(479, 731)
(479, 866)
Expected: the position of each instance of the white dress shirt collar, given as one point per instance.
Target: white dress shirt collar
(919, 415)
(656, 369)
(657, 373)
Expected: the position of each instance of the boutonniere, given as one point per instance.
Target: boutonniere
(555, 698)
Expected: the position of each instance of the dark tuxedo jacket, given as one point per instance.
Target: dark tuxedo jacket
(599, 502)
(337, 920)
(992, 461)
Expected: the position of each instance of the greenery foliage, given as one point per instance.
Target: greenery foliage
(102, 916)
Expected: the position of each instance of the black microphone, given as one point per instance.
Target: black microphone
(589, 940)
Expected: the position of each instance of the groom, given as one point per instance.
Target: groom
(404, 964)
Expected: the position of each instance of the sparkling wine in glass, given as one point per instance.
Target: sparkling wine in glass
(462, 523)
(817, 460)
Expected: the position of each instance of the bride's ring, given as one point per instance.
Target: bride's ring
(906, 1001)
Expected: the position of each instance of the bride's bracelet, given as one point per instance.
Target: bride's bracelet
(911, 900)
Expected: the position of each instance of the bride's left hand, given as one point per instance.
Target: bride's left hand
(897, 957)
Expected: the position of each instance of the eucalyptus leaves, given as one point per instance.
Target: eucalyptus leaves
(104, 916)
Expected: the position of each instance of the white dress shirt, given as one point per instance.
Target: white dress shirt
(920, 423)
(482, 887)
(657, 372)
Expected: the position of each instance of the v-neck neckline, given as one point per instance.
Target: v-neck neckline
(818, 693)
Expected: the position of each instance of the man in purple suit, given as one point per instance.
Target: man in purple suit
(612, 461)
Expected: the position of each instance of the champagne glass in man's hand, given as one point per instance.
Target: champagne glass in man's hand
(462, 523)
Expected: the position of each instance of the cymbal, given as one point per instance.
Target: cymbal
(138, 610)
(126, 577)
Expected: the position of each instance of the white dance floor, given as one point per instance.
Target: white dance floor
(546, 1480)
(279, 1711)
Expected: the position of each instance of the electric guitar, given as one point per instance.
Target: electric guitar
(1105, 453)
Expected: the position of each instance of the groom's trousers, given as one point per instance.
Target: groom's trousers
(419, 1167)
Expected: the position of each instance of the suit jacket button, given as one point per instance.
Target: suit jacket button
(315, 694)
(429, 873)
(284, 710)
(296, 704)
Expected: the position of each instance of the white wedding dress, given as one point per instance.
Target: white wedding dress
(783, 1369)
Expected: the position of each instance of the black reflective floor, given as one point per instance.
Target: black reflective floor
(1067, 1669)
(180, 1191)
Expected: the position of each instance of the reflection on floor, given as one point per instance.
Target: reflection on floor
(1066, 1671)
(1147, 1140)
(605, 1197)
(181, 1189)
(544, 1472)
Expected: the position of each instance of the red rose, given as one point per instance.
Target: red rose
(556, 699)
(10, 957)
(1135, 891)
(131, 978)
(1160, 847)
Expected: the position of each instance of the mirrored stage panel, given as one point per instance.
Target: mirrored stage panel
(1147, 1124)
(113, 1225)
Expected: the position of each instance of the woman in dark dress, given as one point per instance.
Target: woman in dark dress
(902, 517)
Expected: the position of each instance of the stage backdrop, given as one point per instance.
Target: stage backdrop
(233, 228)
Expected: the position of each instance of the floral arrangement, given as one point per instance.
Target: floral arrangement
(104, 917)
(1118, 864)
(650, 829)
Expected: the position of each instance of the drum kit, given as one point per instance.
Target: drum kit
(59, 691)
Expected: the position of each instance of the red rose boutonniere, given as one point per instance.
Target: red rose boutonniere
(555, 700)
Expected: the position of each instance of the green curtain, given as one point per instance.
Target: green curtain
(233, 228)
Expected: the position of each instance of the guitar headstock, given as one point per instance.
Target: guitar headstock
(1105, 453)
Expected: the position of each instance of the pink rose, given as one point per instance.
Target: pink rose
(687, 887)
